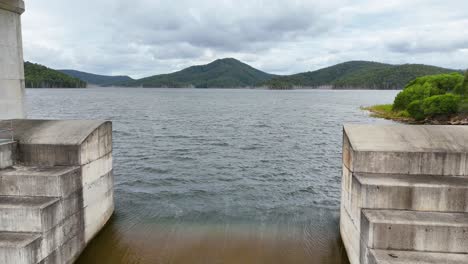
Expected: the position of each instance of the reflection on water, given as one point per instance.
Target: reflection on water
(219, 176)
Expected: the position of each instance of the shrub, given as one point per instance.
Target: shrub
(441, 105)
(412, 93)
(465, 85)
(415, 110)
(446, 82)
(463, 107)
(427, 86)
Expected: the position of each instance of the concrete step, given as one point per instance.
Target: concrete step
(19, 248)
(405, 257)
(415, 231)
(401, 149)
(29, 214)
(411, 192)
(7, 149)
(59, 181)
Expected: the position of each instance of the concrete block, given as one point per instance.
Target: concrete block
(29, 214)
(62, 143)
(19, 248)
(410, 192)
(11, 108)
(401, 149)
(16, 6)
(67, 253)
(40, 181)
(97, 144)
(66, 230)
(97, 214)
(96, 191)
(11, 89)
(11, 67)
(415, 231)
(7, 153)
(350, 236)
(405, 257)
(96, 169)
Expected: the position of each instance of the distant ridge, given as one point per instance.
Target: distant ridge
(357, 75)
(221, 73)
(232, 73)
(39, 76)
(101, 80)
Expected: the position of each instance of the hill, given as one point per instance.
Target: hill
(222, 73)
(38, 76)
(357, 75)
(101, 80)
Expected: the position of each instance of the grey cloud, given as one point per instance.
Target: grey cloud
(145, 37)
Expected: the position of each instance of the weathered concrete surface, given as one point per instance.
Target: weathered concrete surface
(75, 172)
(40, 181)
(28, 214)
(410, 192)
(412, 183)
(11, 60)
(400, 149)
(416, 231)
(19, 248)
(7, 154)
(62, 142)
(406, 257)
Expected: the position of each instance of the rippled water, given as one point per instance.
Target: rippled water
(219, 176)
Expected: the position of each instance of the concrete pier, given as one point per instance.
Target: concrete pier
(405, 194)
(56, 189)
(11, 60)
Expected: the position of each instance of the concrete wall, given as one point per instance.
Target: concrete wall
(405, 188)
(11, 60)
(66, 166)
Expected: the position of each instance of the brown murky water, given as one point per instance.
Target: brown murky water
(197, 244)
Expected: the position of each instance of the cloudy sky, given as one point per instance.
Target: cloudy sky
(146, 37)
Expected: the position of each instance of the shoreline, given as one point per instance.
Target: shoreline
(383, 111)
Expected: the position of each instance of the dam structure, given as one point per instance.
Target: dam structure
(405, 194)
(56, 178)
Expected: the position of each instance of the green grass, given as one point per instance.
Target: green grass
(385, 111)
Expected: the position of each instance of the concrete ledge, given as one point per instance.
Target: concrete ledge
(405, 257)
(400, 149)
(410, 192)
(40, 181)
(19, 248)
(16, 6)
(62, 142)
(28, 214)
(415, 231)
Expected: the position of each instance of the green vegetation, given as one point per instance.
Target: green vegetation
(38, 76)
(386, 111)
(428, 97)
(101, 80)
(224, 73)
(358, 75)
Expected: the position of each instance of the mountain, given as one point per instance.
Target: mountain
(38, 76)
(357, 74)
(101, 80)
(222, 73)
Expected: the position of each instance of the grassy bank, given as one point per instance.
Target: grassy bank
(385, 111)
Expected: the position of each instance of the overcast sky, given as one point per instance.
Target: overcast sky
(146, 37)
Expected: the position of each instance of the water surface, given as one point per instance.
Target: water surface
(219, 176)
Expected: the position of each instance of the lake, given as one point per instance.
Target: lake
(219, 175)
